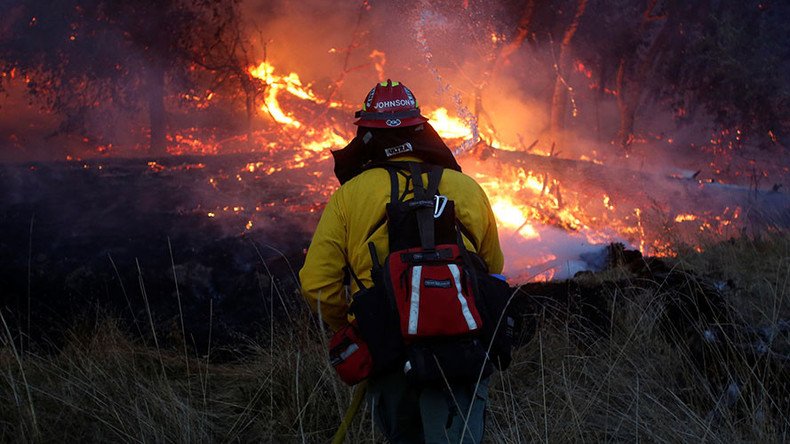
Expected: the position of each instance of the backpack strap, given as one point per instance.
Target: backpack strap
(393, 170)
(350, 273)
(394, 185)
(423, 202)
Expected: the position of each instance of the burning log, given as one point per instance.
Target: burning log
(680, 193)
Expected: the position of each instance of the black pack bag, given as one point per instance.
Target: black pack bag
(377, 319)
(429, 276)
(499, 323)
(457, 360)
(417, 230)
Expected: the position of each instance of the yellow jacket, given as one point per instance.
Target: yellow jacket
(354, 209)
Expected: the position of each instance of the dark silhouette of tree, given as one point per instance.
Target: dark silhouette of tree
(728, 58)
(228, 58)
(559, 98)
(79, 54)
(734, 62)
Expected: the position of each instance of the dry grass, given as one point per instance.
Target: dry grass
(632, 386)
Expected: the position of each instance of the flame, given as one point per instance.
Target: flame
(156, 167)
(607, 202)
(323, 140)
(685, 217)
(290, 83)
(507, 213)
(526, 201)
(510, 215)
(379, 61)
(449, 127)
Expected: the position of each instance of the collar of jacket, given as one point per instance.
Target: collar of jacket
(421, 143)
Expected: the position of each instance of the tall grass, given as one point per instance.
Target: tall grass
(633, 385)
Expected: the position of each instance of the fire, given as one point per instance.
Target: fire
(533, 206)
(275, 84)
(510, 215)
(155, 167)
(449, 127)
(685, 217)
(607, 202)
(507, 213)
(379, 61)
(323, 140)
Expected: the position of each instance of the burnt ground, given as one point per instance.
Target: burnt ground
(84, 240)
(101, 237)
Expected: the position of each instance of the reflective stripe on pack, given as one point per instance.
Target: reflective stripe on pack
(470, 321)
(414, 308)
(349, 351)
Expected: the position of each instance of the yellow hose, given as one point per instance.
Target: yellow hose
(353, 408)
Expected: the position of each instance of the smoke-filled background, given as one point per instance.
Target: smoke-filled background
(650, 122)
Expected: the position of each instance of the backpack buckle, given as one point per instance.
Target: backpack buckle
(439, 203)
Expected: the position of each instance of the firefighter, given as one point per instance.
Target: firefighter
(391, 129)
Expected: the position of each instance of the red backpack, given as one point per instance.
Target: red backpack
(432, 308)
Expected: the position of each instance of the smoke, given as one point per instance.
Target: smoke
(556, 254)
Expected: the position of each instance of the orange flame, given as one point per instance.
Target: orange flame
(449, 127)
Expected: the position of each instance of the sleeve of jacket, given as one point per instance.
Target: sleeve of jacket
(322, 275)
(490, 250)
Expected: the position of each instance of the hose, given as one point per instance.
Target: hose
(353, 408)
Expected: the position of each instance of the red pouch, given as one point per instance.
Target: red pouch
(349, 355)
(432, 292)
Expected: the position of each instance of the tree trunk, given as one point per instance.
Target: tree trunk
(600, 97)
(501, 58)
(522, 31)
(559, 97)
(630, 90)
(625, 106)
(156, 110)
(249, 103)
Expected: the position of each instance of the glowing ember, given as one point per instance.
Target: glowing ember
(607, 202)
(685, 217)
(153, 166)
